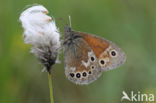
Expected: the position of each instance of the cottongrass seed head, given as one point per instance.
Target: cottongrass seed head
(41, 32)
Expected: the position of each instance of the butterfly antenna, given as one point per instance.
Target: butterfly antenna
(70, 21)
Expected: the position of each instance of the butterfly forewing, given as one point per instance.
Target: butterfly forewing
(109, 55)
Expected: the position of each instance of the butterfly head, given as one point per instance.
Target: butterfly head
(70, 37)
(67, 30)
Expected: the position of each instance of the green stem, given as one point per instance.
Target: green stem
(50, 87)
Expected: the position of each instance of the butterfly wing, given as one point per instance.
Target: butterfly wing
(109, 55)
(81, 65)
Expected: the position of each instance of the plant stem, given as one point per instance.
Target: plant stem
(50, 87)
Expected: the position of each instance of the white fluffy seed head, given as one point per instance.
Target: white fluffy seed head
(38, 27)
(41, 32)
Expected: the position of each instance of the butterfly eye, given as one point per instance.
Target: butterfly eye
(84, 74)
(102, 62)
(113, 53)
(72, 75)
(78, 75)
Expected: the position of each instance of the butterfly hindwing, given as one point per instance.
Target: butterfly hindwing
(81, 65)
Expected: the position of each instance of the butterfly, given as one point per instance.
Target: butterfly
(86, 56)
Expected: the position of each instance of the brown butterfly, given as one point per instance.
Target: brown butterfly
(86, 56)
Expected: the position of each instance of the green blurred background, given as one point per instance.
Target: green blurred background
(129, 23)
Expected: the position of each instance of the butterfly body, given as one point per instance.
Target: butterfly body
(86, 56)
